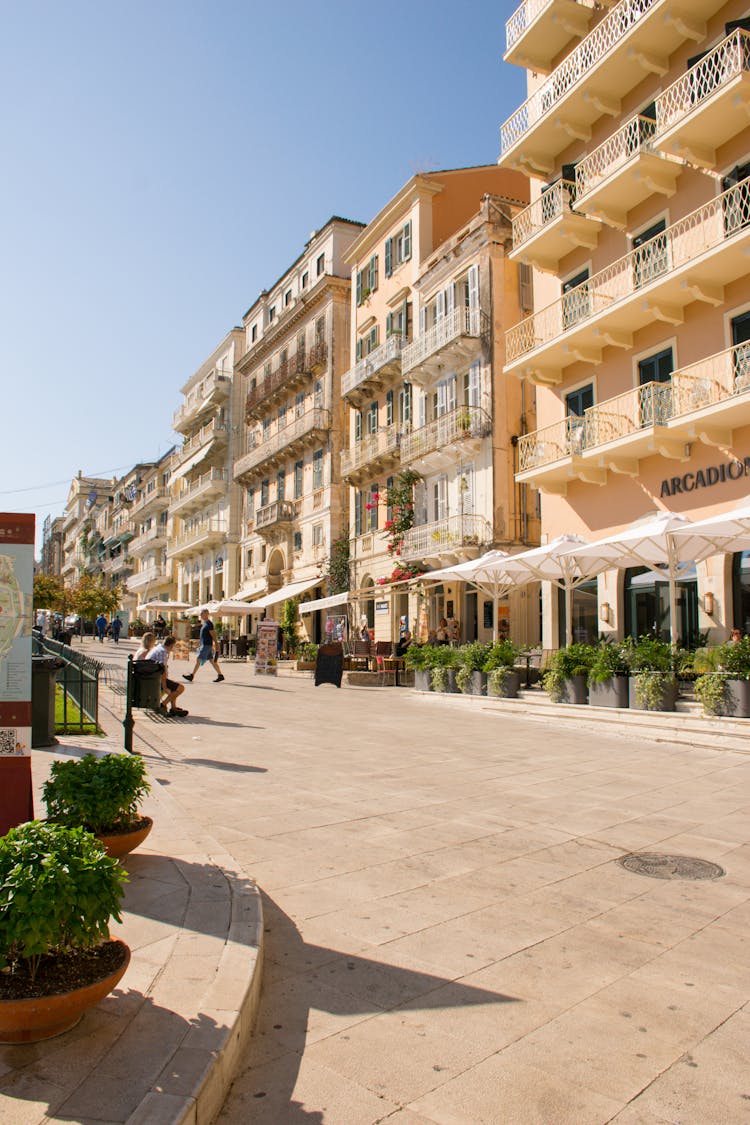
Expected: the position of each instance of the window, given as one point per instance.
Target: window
(320, 329)
(298, 479)
(389, 509)
(263, 493)
(317, 469)
(473, 386)
(368, 343)
(249, 558)
(372, 508)
(651, 257)
(262, 552)
(398, 249)
(359, 507)
(299, 404)
(440, 498)
(282, 416)
(655, 368)
(358, 425)
(737, 203)
(576, 404)
(389, 408)
(280, 484)
(399, 323)
(656, 407)
(298, 541)
(272, 313)
(525, 288)
(741, 344)
(266, 428)
(576, 302)
(250, 502)
(405, 406)
(253, 333)
(320, 264)
(305, 279)
(318, 394)
(317, 535)
(372, 418)
(287, 298)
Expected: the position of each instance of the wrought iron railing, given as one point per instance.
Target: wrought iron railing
(551, 204)
(729, 59)
(576, 66)
(77, 685)
(460, 322)
(455, 425)
(633, 137)
(303, 362)
(260, 448)
(365, 451)
(444, 535)
(704, 229)
(387, 352)
(522, 18)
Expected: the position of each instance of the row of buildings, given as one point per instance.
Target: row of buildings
(556, 344)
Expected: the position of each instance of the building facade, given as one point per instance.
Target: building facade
(429, 416)
(87, 505)
(296, 346)
(152, 578)
(53, 544)
(638, 232)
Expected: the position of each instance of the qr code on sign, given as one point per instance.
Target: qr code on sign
(8, 741)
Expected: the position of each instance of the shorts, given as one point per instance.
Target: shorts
(205, 654)
(171, 685)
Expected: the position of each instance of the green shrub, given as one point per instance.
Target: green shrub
(735, 659)
(563, 664)
(308, 651)
(711, 690)
(651, 688)
(608, 662)
(100, 794)
(444, 657)
(648, 654)
(58, 891)
(419, 657)
(501, 654)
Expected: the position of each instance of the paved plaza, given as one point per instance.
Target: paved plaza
(448, 936)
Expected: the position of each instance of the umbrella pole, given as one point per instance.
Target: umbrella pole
(672, 611)
(568, 615)
(495, 609)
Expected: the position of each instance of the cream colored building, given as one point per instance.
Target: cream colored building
(152, 578)
(639, 231)
(203, 518)
(432, 290)
(88, 500)
(296, 346)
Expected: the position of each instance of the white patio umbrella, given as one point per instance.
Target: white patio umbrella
(484, 573)
(725, 530)
(666, 543)
(556, 562)
(165, 605)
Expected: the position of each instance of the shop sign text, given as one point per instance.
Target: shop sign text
(706, 478)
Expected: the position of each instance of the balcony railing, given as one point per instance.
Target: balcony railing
(211, 431)
(213, 529)
(685, 241)
(199, 396)
(369, 449)
(155, 496)
(305, 362)
(551, 204)
(260, 449)
(461, 322)
(207, 484)
(384, 359)
(280, 511)
(445, 536)
(538, 31)
(148, 538)
(720, 378)
(461, 424)
(148, 576)
(633, 137)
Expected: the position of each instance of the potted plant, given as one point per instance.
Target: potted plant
(723, 688)
(58, 892)
(566, 676)
(608, 676)
(307, 654)
(653, 684)
(444, 664)
(101, 795)
(471, 679)
(502, 679)
(420, 659)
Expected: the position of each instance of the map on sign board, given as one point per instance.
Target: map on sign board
(16, 601)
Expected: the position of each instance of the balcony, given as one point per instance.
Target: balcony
(119, 565)
(452, 340)
(156, 575)
(209, 533)
(154, 501)
(276, 517)
(623, 172)
(539, 30)
(207, 396)
(197, 494)
(287, 377)
(635, 39)
(708, 105)
(690, 261)
(375, 369)
(309, 428)
(367, 545)
(549, 228)
(148, 540)
(376, 451)
(457, 433)
(448, 540)
(705, 401)
(214, 432)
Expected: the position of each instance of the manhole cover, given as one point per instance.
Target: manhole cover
(658, 866)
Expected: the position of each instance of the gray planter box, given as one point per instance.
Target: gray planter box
(575, 690)
(609, 693)
(509, 690)
(477, 684)
(669, 696)
(423, 680)
(451, 685)
(736, 700)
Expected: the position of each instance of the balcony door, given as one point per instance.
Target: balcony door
(741, 345)
(444, 406)
(440, 499)
(651, 254)
(655, 406)
(737, 203)
(576, 302)
(576, 404)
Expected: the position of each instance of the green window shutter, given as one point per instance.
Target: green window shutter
(389, 325)
(373, 273)
(359, 349)
(407, 241)
(373, 337)
(388, 257)
(389, 408)
(359, 287)
(358, 425)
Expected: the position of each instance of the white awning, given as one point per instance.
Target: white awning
(192, 461)
(292, 590)
(324, 603)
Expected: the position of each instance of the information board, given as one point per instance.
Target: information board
(16, 598)
(266, 653)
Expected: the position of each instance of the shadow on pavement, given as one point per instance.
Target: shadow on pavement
(231, 767)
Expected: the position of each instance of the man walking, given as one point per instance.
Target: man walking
(101, 627)
(207, 649)
(160, 655)
(116, 627)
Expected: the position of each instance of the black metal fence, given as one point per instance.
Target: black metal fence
(78, 681)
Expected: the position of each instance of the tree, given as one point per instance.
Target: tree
(91, 597)
(49, 593)
(289, 619)
(337, 566)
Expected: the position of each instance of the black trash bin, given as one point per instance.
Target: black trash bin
(147, 684)
(43, 674)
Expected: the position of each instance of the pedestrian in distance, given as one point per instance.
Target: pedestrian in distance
(735, 637)
(101, 627)
(116, 627)
(171, 689)
(160, 627)
(207, 650)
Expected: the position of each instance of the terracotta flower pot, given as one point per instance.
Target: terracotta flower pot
(42, 1017)
(124, 842)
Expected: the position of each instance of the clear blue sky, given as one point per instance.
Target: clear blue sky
(164, 161)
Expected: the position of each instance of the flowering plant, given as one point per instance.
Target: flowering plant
(400, 499)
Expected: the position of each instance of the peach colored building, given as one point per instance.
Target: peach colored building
(636, 131)
(432, 290)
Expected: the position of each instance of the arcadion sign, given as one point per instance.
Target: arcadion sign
(706, 478)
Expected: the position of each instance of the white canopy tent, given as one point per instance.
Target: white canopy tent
(324, 603)
(168, 606)
(484, 573)
(726, 530)
(556, 562)
(291, 590)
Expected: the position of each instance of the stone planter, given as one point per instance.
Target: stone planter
(451, 687)
(736, 700)
(423, 679)
(508, 689)
(477, 684)
(609, 693)
(575, 691)
(669, 694)
(305, 665)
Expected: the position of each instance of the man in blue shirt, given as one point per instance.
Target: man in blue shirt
(101, 627)
(207, 649)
